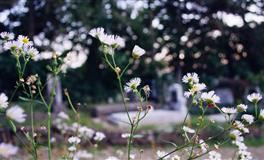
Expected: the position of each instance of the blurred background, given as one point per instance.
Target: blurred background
(221, 40)
(217, 39)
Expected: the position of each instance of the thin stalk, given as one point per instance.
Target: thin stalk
(35, 155)
(52, 96)
(256, 110)
(123, 97)
(129, 144)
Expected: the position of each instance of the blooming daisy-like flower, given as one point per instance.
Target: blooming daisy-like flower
(7, 150)
(112, 40)
(99, 136)
(3, 101)
(97, 32)
(137, 52)
(32, 52)
(161, 154)
(242, 107)
(74, 140)
(24, 40)
(248, 118)
(72, 148)
(7, 36)
(236, 135)
(12, 45)
(198, 87)
(229, 111)
(16, 113)
(244, 155)
(190, 78)
(86, 132)
(132, 84)
(261, 114)
(188, 130)
(240, 126)
(210, 98)
(254, 97)
(213, 155)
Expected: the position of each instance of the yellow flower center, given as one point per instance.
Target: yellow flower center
(25, 40)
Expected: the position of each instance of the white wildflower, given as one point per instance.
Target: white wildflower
(213, 155)
(72, 148)
(203, 146)
(12, 45)
(161, 154)
(132, 156)
(244, 155)
(137, 52)
(112, 40)
(132, 84)
(176, 157)
(187, 94)
(24, 40)
(210, 98)
(7, 36)
(7, 150)
(188, 130)
(32, 52)
(97, 32)
(240, 126)
(112, 158)
(86, 132)
(125, 135)
(82, 154)
(242, 107)
(74, 140)
(241, 145)
(254, 97)
(248, 118)
(16, 113)
(235, 135)
(195, 88)
(99, 136)
(3, 101)
(63, 115)
(191, 78)
(229, 111)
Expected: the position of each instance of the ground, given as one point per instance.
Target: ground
(148, 154)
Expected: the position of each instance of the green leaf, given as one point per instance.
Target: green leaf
(29, 100)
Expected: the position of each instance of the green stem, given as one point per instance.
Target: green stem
(52, 96)
(123, 98)
(35, 155)
(256, 110)
(129, 144)
(49, 134)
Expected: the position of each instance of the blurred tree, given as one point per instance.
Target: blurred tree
(214, 38)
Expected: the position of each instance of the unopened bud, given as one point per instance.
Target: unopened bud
(117, 70)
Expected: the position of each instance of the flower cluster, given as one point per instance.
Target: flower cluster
(238, 128)
(83, 132)
(110, 40)
(195, 90)
(14, 113)
(22, 46)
